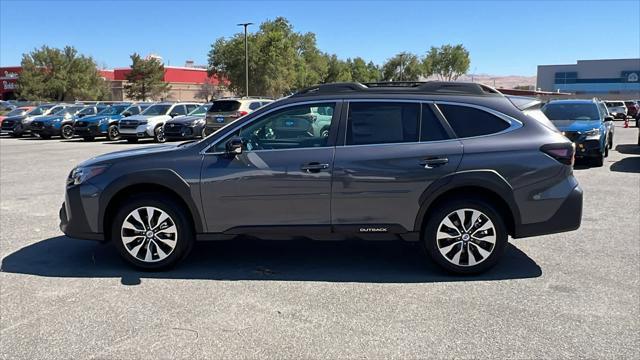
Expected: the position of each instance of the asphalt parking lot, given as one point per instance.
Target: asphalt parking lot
(575, 294)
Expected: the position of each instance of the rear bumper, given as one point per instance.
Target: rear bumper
(567, 218)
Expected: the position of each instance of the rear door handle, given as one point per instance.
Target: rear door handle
(430, 163)
(314, 167)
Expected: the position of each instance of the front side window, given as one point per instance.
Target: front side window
(201, 110)
(289, 128)
(178, 110)
(382, 123)
(467, 121)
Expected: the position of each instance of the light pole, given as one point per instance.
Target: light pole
(246, 59)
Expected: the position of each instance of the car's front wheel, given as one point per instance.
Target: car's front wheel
(66, 132)
(113, 134)
(465, 236)
(152, 232)
(158, 135)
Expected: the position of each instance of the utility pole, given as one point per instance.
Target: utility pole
(246, 59)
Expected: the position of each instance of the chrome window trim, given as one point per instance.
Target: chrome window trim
(336, 101)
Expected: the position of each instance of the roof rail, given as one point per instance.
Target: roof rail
(419, 87)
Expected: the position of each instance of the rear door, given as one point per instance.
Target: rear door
(392, 152)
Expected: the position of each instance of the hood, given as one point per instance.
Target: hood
(144, 117)
(186, 119)
(147, 150)
(50, 118)
(15, 118)
(576, 125)
(97, 118)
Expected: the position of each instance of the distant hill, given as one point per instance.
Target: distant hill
(507, 82)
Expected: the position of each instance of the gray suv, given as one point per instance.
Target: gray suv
(456, 167)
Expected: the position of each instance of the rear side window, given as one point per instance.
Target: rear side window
(382, 123)
(224, 106)
(467, 121)
(431, 129)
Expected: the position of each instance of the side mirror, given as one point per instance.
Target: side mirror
(234, 146)
(173, 114)
(608, 118)
(126, 114)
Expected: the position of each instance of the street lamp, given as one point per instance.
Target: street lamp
(246, 59)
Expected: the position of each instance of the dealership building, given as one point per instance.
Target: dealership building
(606, 79)
(186, 82)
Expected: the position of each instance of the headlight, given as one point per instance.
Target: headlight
(142, 122)
(594, 132)
(82, 174)
(103, 121)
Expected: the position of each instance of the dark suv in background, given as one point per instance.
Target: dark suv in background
(456, 167)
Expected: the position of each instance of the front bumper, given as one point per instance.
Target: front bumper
(78, 214)
(47, 130)
(178, 131)
(91, 130)
(588, 148)
(140, 131)
(567, 218)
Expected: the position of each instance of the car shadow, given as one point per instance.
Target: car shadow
(627, 165)
(349, 261)
(631, 149)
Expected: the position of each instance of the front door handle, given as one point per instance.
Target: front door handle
(430, 163)
(314, 167)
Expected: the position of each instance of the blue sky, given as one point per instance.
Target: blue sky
(503, 37)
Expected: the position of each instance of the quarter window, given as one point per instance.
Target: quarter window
(382, 123)
(468, 121)
(254, 106)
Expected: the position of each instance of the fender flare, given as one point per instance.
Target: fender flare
(487, 179)
(162, 177)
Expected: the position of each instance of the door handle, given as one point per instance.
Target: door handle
(431, 163)
(314, 167)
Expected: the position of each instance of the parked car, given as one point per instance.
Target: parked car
(632, 108)
(61, 123)
(20, 111)
(617, 109)
(582, 122)
(105, 123)
(188, 126)
(20, 125)
(608, 123)
(456, 167)
(150, 123)
(224, 111)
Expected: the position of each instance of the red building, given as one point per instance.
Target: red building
(186, 82)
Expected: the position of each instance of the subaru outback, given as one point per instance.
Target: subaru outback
(455, 167)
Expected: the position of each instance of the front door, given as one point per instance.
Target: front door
(281, 179)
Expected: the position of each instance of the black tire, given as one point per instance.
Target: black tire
(203, 133)
(132, 140)
(113, 134)
(611, 142)
(606, 149)
(178, 216)
(158, 135)
(66, 131)
(88, 138)
(437, 215)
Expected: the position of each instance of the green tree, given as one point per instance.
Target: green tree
(402, 67)
(448, 62)
(60, 75)
(146, 79)
(363, 72)
(338, 70)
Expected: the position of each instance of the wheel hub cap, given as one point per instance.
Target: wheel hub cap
(149, 234)
(466, 237)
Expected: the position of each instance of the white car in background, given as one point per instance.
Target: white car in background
(617, 109)
(150, 123)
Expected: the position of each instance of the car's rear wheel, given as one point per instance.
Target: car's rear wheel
(152, 232)
(158, 135)
(465, 236)
(113, 133)
(66, 132)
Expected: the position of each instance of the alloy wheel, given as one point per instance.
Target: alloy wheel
(67, 131)
(114, 134)
(149, 234)
(466, 237)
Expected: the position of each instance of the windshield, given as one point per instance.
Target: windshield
(614, 103)
(200, 110)
(58, 110)
(159, 109)
(571, 111)
(224, 106)
(70, 110)
(113, 110)
(86, 111)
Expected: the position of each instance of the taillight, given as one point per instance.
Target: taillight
(562, 152)
(238, 114)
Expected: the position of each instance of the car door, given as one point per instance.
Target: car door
(392, 152)
(281, 179)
